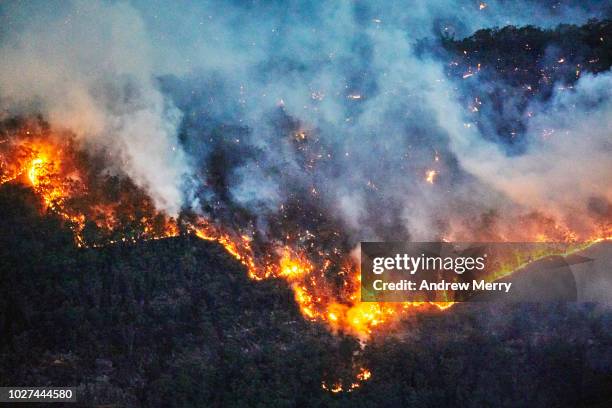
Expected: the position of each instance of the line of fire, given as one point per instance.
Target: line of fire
(325, 278)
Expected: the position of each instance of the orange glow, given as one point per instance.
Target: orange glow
(363, 375)
(44, 177)
(430, 176)
(53, 167)
(325, 282)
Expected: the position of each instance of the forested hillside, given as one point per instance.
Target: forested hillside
(505, 74)
(176, 322)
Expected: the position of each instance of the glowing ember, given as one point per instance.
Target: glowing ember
(363, 375)
(430, 176)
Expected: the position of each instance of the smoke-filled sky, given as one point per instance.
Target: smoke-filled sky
(248, 104)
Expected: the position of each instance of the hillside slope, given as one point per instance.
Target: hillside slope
(176, 322)
(171, 322)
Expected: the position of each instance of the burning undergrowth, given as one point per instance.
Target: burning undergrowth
(289, 136)
(291, 148)
(103, 209)
(301, 243)
(99, 207)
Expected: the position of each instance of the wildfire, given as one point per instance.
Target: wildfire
(55, 169)
(325, 283)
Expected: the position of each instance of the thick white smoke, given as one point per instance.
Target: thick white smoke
(89, 69)
(568, 163)
(378, 117)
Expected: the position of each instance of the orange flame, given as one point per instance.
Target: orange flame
(362, 375)
(51, 168)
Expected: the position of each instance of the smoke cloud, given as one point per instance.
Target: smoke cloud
(567, 165)
(88, 68)
(264, 104)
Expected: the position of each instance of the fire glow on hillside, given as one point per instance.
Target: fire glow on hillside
(325, 282)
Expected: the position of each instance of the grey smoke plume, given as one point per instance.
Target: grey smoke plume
(88, 68)
(327, 98)
(568, 162)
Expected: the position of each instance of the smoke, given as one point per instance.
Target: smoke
(567, 164)
(87, 68)
(324, 107)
